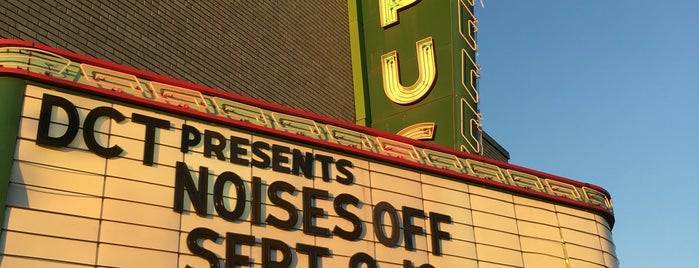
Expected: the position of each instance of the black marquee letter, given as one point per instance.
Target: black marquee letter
(233, 240)
(188, 141)
(256, 201)
(362, 258)
(437, 234)
(315, 254)
(311, 212)
(273, 189)
(279, 158)
(151, 124)
(42, 133)
(325, 162)
(89, 131)
(193, 245)
(302, 163)
(219, 205)
(338, 204)
(261, 159)
(217, 148)
(409, 264)
(236, 151)
(379, 209)
(342, 165)
(185, 182)
(269, 245)
(410, 229)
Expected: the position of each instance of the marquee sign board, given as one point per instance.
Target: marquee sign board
(111, 166)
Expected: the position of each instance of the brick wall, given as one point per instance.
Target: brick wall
(295, 53)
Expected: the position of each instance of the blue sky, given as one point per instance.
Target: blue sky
(605, 92)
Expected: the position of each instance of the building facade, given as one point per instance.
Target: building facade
(106, 165)
(294, 53)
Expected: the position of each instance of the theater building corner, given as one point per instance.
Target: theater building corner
(303, 134)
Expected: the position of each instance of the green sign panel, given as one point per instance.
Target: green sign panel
(415, 73)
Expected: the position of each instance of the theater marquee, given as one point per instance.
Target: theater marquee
(116, 167)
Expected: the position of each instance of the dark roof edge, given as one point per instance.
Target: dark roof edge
(496, 145)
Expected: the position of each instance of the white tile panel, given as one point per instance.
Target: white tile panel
(445, 182)
(528, 201)
(342, 247)
(543, 261)
(60, 249)
(453, 261)
(496, 238)
(395, 198)
(79, 160)
(542, 247)
(398, 254)
(495, 222)
(601, 220)
(12, 261)
(575, 212)
(135, 170)
(396, 184)
(608, 246)
(461, 216)
(123, 189)
(603, 231)
(493, 206)
(581, 224)
(533, 214)
(457, 248)
(499, 255)
(445, 195)
(56, 201)
(123, 211)
(487, 192)
(610, 260)
(581, 238)
(584, 264)
(483, 264)
(138, 236)
(189, 221)
(51, 224)
(117, 256)
(290, 237)
(584, 253)
(56, 178)
(394, 171)
(543, 231)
